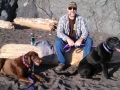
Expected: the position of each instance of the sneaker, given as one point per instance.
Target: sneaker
(60, 67)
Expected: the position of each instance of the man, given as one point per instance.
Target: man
(72, 30)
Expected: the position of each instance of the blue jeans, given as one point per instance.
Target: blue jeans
(59, 45)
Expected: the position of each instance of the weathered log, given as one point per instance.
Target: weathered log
(37, 23)
(6, 25)
(73, 57)
(16, 50)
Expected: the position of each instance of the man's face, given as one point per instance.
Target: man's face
(72, 11)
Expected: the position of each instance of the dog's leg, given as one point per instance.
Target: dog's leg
(105, 70)
(85, 70)
(39, 78)
(24, 80)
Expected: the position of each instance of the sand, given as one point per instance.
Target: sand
(53, 81)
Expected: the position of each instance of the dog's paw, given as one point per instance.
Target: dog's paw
(107, 76)
(42, 79)
(37, 83)
(114, 78)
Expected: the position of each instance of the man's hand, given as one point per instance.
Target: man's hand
(79, 42)
(70, 42)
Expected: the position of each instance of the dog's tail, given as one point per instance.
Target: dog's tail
(2, 61)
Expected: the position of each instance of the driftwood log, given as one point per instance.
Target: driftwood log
(6, 25)
(37, 23)
(73, 57)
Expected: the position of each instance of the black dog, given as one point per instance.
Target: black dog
(99, 56)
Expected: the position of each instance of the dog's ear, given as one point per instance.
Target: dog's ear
(28, 57)
(31, 55)
(112, 39)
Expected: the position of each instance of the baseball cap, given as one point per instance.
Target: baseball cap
(72, 4)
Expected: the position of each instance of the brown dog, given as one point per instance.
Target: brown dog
(21, 67)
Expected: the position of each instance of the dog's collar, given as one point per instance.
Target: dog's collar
(33, 64)
(26, 64)
(109, 47)
(106, 48)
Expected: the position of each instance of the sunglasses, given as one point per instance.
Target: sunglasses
(70, 8)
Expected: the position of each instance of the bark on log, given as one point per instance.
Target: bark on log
(6, 25)
(73, 57)
(37, 23)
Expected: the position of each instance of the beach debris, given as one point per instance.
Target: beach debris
(6, 25)
(37, 23)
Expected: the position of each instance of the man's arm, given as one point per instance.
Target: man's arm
(79, 41)
(84, 34)
(84, 29)
(60, 29)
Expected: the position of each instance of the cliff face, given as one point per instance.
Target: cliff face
(100, 15)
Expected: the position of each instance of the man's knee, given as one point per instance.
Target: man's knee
(58, 41)
(89, 39)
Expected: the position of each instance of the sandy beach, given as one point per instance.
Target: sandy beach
(54, 81)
